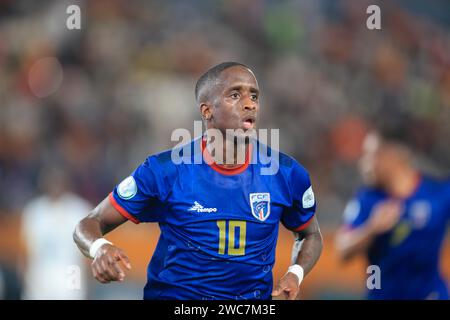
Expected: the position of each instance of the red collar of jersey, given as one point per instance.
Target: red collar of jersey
(223, 169)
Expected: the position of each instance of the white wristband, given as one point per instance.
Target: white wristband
(96, 245)
(298, 271)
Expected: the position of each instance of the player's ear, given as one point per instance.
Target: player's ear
(206, 111)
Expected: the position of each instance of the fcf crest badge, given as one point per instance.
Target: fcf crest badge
(260, 204)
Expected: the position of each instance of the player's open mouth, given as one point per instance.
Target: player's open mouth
(249, 122)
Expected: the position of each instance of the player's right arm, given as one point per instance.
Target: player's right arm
(355, 236)
(109, 261)
(140, 198)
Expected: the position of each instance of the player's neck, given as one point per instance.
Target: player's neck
(239, 151)
(403, 183)
(233, 154)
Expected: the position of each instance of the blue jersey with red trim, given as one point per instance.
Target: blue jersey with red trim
(219, 227)
(408, 255)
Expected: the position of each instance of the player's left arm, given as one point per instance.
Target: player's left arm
(306, 251)
(308, 246)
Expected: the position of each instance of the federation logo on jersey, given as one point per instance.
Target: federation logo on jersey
(420, 213)
(199, 208)
(260, 204)
(127, 189)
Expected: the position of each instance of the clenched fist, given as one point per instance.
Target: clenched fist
(109, 263)
(287, 288)
(385, 216)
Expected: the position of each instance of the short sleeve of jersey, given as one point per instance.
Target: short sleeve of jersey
(140, 196)
(299, 215)
(356, 212)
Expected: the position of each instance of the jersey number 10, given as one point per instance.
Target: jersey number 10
(233, 249)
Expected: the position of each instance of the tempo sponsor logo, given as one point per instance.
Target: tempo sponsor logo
(199, 208)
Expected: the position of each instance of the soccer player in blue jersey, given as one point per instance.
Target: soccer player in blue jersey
(398, 219)
(219, 222)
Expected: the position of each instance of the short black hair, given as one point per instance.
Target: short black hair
(212, 74)
(394, 132)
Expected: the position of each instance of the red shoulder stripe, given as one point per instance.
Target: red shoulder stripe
(303, 226)
(121, 210)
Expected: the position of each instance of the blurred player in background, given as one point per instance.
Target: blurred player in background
(398, 219)
(219, 222)
(54, 269)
